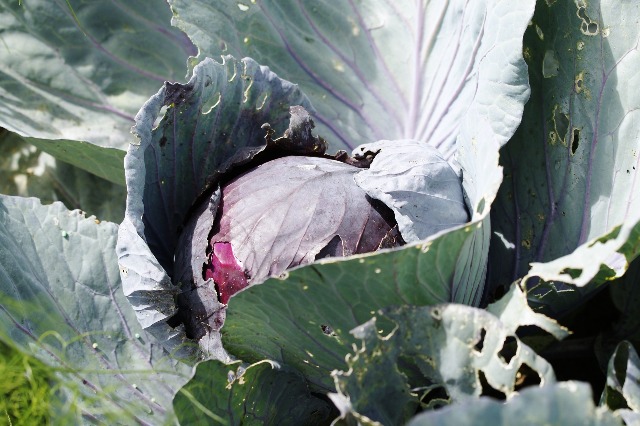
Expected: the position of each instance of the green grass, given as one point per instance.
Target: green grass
(25, 388)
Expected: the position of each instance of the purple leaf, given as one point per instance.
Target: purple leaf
(292, 211)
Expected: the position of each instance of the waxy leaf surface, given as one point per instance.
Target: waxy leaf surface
(570, 202)
(61, 301)
(79, 70)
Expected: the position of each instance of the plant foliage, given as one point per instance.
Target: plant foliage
(493, 145)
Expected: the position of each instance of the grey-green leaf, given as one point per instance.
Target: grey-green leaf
(408, 352)
(383, 70)
(28, 172)
(622, 391)
(302, 319)
(569, 203)
(260, 394)
(563, 403)
(61, 301)
(79, 70)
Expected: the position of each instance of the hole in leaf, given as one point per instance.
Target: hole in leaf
(159, 118)
(532, 332)
(211, 102)
(334, 248)
(175, 320)
(560, 122)
(478, 347)
(526, 376)
(575, 141)
(509, 349)
(481, 206)
(584, 27)
(572, 272)
(434, 397)
(610, 236)
(620, 363)
(593, 28)
(582, 14)
(488, 390)
(327, 329)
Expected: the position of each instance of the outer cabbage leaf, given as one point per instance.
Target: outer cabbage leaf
(105, 163)
(573, 166)
(61, 301)
(210, 123)
(79, 70)
(383, 70)
(303, 320)
(622, 391)
(563, 403)
(238, 394)
(458, 349)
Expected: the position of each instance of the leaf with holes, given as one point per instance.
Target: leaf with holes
(569, 204)
(302, 319)
(238, 394)
(560, 403)
(411, 356)
(622, 390)
(345, 57)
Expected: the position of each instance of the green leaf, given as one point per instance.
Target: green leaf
(408, 353)
(28, 172)
(260, 393)
(625, 295)
(61, 301)
(622, 391)
(563, 403)
(285, 319)
(569, 204)
(79, 70)
(106, 163)
(345, 57)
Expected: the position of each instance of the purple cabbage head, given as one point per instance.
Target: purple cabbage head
(217, 204)
(291, 204)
